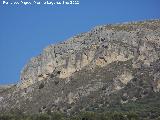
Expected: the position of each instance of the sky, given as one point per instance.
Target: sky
(26, 30)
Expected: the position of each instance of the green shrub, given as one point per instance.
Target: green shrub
(43, 117)
(57, 116)
(118, 116)
(41, 86)
(132, 116)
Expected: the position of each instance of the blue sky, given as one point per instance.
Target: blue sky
(26, 30)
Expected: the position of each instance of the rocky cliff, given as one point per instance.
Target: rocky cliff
(110, 65)
(99, 47)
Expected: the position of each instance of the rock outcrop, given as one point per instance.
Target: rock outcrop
(111, 64)
(101, 46)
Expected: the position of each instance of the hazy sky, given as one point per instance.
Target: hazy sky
(26, 30)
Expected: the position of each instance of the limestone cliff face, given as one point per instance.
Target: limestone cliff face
(107, 66)
(99, 47)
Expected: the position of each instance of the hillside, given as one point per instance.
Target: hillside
(113, 67)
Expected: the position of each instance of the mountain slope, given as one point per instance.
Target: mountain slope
(109, 67)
